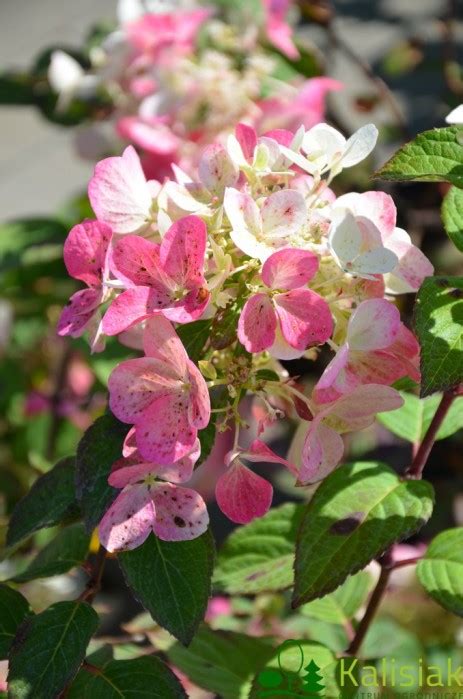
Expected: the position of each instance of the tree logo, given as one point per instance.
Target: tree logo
(294, 676)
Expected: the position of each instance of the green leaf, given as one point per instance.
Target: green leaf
(16, 88)
(433, 156)
(67, 550)
(24, 241)
(194, 336)
(340, 606)
(135, 679)
(259, 556)
(441, 570)
(48, 650)
(439, 326)
(412, 420)
(207, 439)
(386, 637)
(452, 216)
(222, 662)
(98, 449)
(172, 580)
(14, 608)
(51, 500)
(354, 516)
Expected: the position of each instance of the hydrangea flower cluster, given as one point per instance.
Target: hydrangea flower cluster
(259, 246)
(178, 79)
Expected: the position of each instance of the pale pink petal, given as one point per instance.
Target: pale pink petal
(133, 306)
(375, 324)
(405, 344)
(79, 311)
(242, 495)
(181, 513)
(335, 380)
(257, 323)
(305, 318)
(281, 350)
(357, 409)
(162, 342)
(136, 383)
(278, 30)
(283, 213)
(129, 448)
(216, 169)
(247, 138)
(164, 434)
(182, 470)
(290, 268)
(154, 137)
(413, 265)
(182, 252)
(378, 366)
(129, 520)
(258, 451)
(199, 410)
(242, 213)
(119, 194)
(85, 251)
(130, 473)
(378, 207)
(322, 451)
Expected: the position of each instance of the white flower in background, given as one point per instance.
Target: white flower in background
(131, 10)
(68, 79)
(455, 116)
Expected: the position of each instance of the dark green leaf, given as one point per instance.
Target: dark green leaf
(48, 650)
(194, 336)
(259, 556)
(67, 550)
(135, 679)
(452, 216)
(51, 500)
(207, 439)
(225, 324)
(172, 580)
(412, 420)
(266, 375)
(98, 449)
(16, 88)
(441, 570)
(14, 608)
(354, 516)
(439, 326)
(435, 155)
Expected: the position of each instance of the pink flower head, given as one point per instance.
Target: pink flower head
(278, 30)
(241, 494)
(379, 349)
(150, 134)
(262, 154)
(119, 193)
(162, 394)
(323, 445)
(217, 170)
(412, 266)
(86, 253)
(146, 504)
(165, 278)
(153, 33)
(299, 316)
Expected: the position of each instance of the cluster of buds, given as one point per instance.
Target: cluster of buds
(259, 246)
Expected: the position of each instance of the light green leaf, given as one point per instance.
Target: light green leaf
(223, 662)
(441, 570)
(50, 501)
(14, 608)
(439, 326)
(433, 156)
(412, 420)
(354, 516)
(26, 241)
(340, 606)
(48, 650)
(452, 216)
(67, 550)
(259, 556)
(98, 449)
(386, 637)
(138, 678)
(172, 580)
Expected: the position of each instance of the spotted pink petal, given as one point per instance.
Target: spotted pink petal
(164, 434)
(374, 325)
(189, 308)
(283, 213)
(85, 251)
(305, 318)
(322, 451)
(129, 520)
(199, 411)
(131, 307)
(257, 323)
(135, 260)
(182, 252)
(216, 169)
(136, 383)
(181, 513)
(161, 342)
(290, 268)
(258, 451)
(79, 311)
(242, 495)
(182, 470)
(119, 193)
(247, 138)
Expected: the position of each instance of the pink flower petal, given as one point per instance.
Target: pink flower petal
(199, 410)
(322, 451)
(374, 325)
(85, 251)
(247, 138)
(164, 434)
(413, 266)
(242, 495)
(129, 473)
(181, 513)
(129, 448)
(283, 213)
(155, 138)
(79, 311)
(133, 306)
(189, 308)
(305, 318)
(377, 207)
(258, 451)
(182, 470)
(357, 409)
(281, 136)
(119, 194)
(216, 169)
(182, 252)
(335, 380)
(289, 268)
(136, 261)
(161, 342)
(257, 323)
(129, 520)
